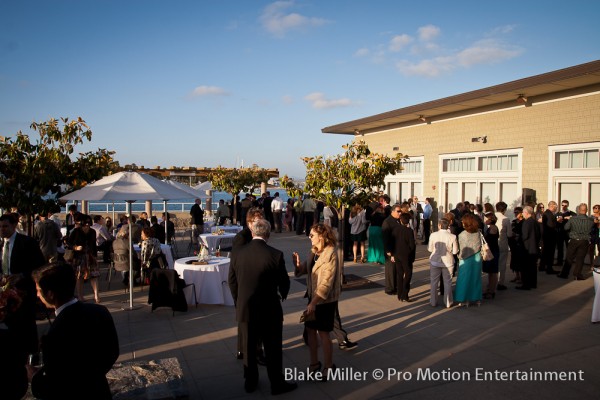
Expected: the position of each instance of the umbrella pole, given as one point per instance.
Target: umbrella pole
(166, 220)
(131, 277)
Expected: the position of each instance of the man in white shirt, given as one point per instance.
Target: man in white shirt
(309, 206)
(103, 238)
(276, 208)
(443, 246)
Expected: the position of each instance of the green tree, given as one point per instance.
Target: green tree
(34, 175)
(292, 188)
(236, 180)
(355, 176)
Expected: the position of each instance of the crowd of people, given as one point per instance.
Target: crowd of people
(55, 267)
(477, 244)
(37, 266)
(259, 282)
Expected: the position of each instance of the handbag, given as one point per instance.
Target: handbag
(486, 253)
(69, 255)
(307, 317)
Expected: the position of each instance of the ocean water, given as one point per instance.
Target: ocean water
(172, 206)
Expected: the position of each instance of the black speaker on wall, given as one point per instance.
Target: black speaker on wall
(529, 197)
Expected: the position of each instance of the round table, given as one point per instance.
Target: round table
(211, 280)
(227, 228)
(214, 241)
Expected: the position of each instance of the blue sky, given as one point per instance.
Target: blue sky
(207, 83)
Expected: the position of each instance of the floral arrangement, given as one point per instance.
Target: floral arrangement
(10, 297)
(219, 232)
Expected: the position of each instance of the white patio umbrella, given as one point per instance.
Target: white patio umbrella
(196, 193)
(130, 187)
(203, 186)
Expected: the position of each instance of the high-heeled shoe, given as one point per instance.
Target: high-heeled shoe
(312, 368)
(326, 372)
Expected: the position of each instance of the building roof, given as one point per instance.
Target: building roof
(562, 80)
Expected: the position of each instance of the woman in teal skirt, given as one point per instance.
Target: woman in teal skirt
(468, 283)
(375, 253)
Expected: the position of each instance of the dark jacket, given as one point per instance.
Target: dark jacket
(530, 236)
(80, 347)
(258, 281)
(549, 226)
(404, 244)
(387, 227)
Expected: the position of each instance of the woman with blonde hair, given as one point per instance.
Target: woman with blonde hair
(324, 285)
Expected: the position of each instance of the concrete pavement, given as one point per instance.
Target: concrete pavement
(514, 347)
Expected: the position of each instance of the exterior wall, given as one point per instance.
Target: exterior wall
(550, 122)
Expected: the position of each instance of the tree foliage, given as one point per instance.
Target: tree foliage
(236, 180)
(354, 176)
(34, 175)
(292, 188)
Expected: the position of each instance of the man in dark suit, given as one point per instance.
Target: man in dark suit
(259, 282)
(21, 254)
(530, 237)
(549, 238)
(81, 345)
(563, 234)
(159, 231)
(242, 238)
(387, 228)
(404, 255)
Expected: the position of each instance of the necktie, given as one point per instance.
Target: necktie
(6, 257)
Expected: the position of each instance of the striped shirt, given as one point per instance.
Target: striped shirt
(579, 227)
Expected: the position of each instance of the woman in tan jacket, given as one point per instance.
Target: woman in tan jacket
(323, 286)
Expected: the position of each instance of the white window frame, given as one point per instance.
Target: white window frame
(410, 178)
(479, 177)
(585, 176)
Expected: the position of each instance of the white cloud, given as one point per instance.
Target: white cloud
(287, 99)
(428, 68)
(486, 52)
(428, 32)
(364, 52)
(398, 42)
(503, 30)
(209, 91)
(482, 52)
(276, 19)
(319, 101)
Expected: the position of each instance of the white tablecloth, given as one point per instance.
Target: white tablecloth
(227, 228)
(213, 241)
(210, 280)
(165, 248)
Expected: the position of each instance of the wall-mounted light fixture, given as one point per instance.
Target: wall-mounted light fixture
(422, 118)
(521, 99)
(356, 132)
(482, 139)
(396, 148)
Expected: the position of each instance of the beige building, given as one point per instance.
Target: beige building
(531, 140)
